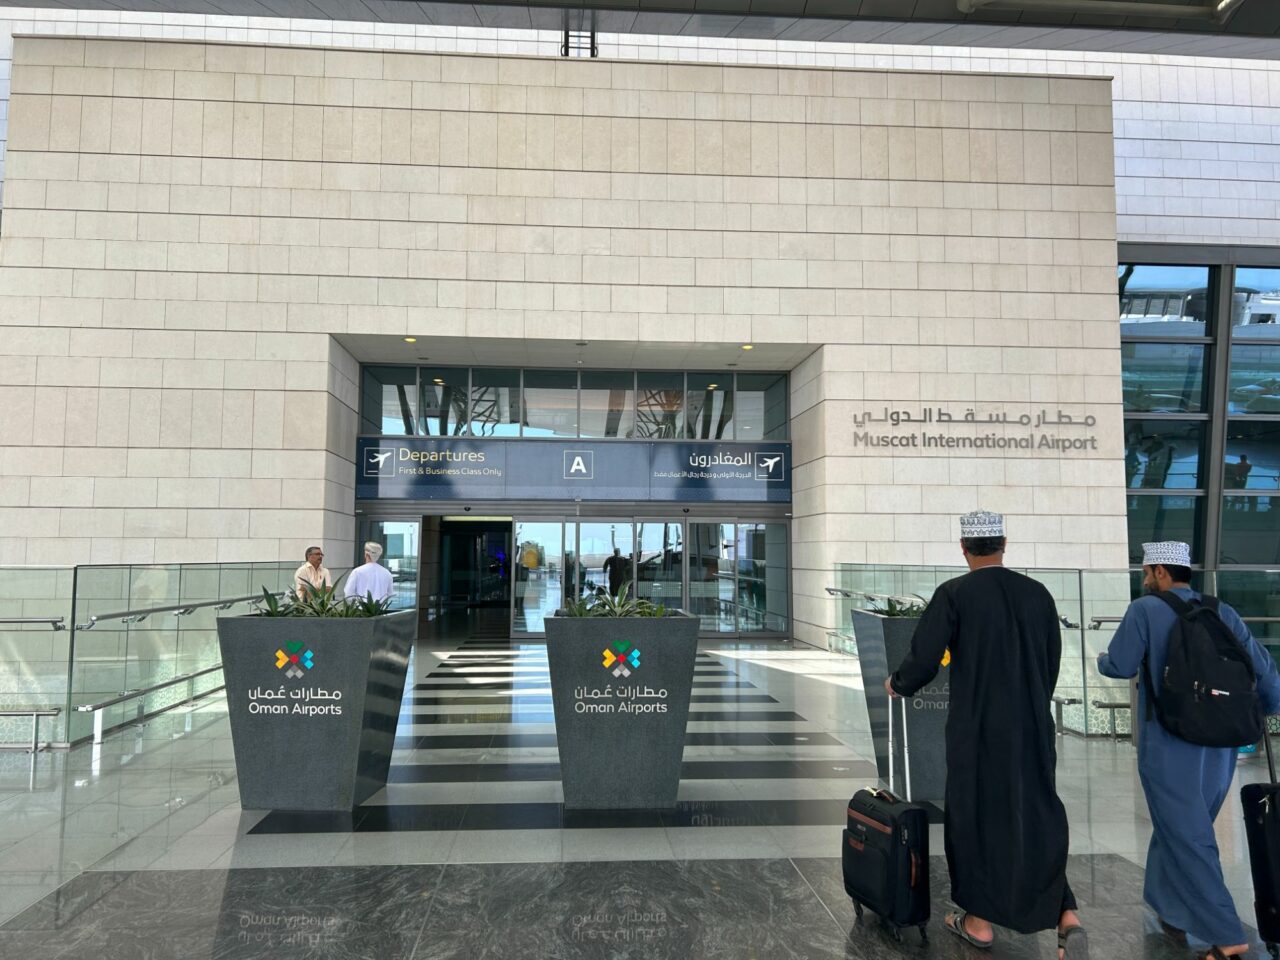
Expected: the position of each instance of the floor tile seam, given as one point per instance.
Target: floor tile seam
(844, 932)
(426, 917)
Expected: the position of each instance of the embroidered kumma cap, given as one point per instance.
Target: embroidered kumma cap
(981, 523)
(1167, 553)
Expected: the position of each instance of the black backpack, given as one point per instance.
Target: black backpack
(1209, 691)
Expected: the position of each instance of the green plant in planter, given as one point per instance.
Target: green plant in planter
(616, 605)
(898, 606)
(322, 601)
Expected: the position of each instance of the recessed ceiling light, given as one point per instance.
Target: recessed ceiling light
(712, 386)
(410, 339)
(438, 380)
(748, 346)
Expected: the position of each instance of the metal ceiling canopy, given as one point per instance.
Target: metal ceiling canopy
(1215, 28)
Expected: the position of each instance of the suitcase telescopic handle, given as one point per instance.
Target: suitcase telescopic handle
(1266, 743)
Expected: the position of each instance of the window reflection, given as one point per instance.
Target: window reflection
(1163, 301)
(1255, 304)
(709, 402)
(608, 403)
(1164, 518)
(659, 400)
(495, 403)
(1250, 529)
(387, 401)
(1163, 454)
(604, 404)
(1255, 378)
(1162, 377)
(1253, 455)
(550, 403)
(760, 406)
(443, 392)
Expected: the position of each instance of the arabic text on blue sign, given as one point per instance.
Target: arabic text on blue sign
(422, 468)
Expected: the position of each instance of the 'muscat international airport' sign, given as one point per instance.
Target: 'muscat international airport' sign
(424, 468)
(1047, 431)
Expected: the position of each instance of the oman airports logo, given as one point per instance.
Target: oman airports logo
(622, 657)
(297, 660)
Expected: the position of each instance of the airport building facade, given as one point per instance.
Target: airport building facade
(509, 314)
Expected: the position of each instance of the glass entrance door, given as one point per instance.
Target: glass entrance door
(712, 585)
(602, 560)
(733, 576)
(660, 562)
(539, 573)
(763, 587)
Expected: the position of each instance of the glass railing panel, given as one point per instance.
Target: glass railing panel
(33, 657)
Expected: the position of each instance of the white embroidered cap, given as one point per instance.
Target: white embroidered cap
(981, 523)
(1168, 553)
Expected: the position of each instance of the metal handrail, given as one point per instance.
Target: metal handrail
(177, 609)
(1095, 623)
(56, 622)
(97, 708)
(839, 592)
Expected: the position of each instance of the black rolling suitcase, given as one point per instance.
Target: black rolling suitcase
(885, 854)
(1261, 802)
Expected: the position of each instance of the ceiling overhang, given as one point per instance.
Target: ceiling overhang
(1213, 28)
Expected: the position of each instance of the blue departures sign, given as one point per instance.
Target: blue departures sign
(421, 468)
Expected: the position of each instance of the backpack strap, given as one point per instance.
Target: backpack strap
(1179, 606)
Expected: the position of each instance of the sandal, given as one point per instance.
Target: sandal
(1074, 943)
(1215, 953)
(955, 924)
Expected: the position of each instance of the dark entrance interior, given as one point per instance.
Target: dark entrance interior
(466, 579)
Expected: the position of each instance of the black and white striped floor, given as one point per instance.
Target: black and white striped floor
(476, 750)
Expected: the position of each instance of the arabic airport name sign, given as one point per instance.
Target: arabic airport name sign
(295, 701)
(1055, 432)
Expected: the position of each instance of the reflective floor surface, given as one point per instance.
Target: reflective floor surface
(139, 848)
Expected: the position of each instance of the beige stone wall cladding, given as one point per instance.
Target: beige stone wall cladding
(184, 225)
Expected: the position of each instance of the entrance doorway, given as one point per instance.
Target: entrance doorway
(466, 575)
(733, 575)
(501, 576)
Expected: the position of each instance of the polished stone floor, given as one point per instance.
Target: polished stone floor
(139, 848)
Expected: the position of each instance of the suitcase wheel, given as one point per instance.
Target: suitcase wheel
(897, 933)
(1274, 950)
(857, 909)
(924, 933)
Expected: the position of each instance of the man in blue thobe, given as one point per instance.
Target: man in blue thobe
(1185, 784)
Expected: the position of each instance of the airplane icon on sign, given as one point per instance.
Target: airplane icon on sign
(377, 463)
(769, 466)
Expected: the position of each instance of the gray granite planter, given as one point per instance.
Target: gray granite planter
(313, 732)
(621, 688)
(883, 643)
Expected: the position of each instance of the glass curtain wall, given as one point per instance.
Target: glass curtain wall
(591, 404)
(1165, 324)
(1251, 468)
(1201, 378)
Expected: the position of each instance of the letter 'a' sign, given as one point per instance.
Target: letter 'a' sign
(425, 468)
(579, 465)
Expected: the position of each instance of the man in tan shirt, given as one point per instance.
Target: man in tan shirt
(312, 573)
